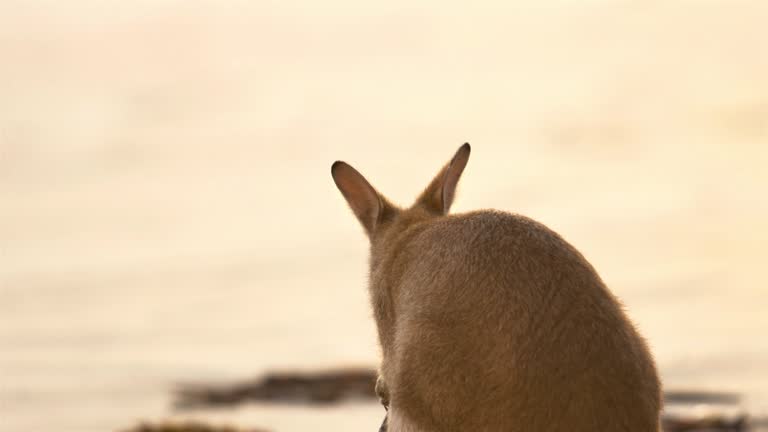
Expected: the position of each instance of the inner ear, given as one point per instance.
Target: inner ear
(362, 198)
(453, 174)
(439, 195)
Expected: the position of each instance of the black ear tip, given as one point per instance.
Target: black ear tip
(466, 147)
(336, 165)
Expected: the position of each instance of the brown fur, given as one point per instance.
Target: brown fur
(489, 321)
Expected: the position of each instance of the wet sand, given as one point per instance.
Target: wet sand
(167, 212)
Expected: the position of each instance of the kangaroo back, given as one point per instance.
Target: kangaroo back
(489, 321)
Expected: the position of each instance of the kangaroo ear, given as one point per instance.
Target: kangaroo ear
(438, 196)
(366, 203)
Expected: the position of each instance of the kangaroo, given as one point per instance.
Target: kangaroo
(489, 321)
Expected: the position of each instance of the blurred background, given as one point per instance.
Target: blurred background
(167, 212)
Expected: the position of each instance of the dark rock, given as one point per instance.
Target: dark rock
(191, 426)
(284, 387)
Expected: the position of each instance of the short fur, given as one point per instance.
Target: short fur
(490, 321)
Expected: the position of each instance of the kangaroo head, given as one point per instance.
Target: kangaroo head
(379, 217)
